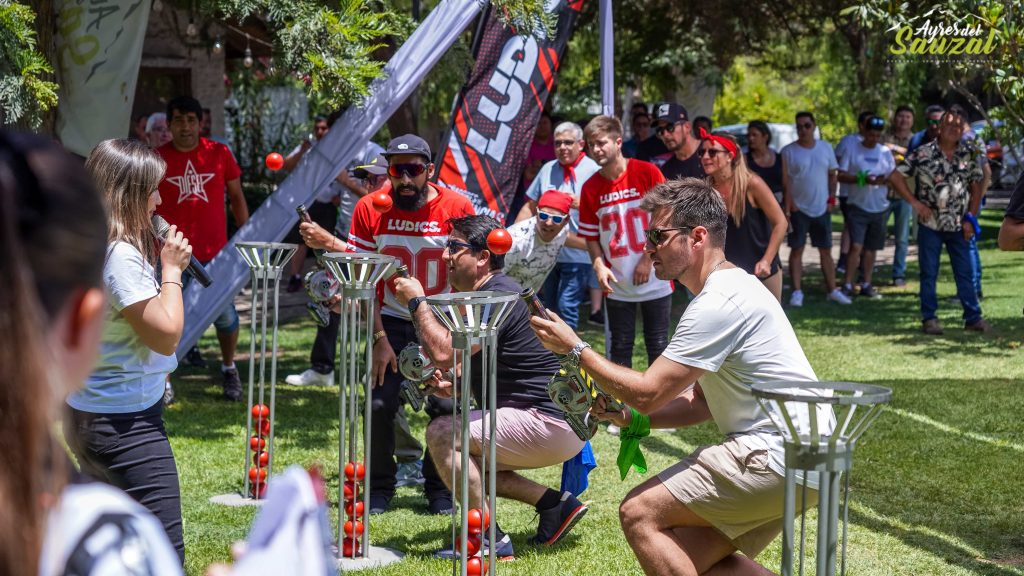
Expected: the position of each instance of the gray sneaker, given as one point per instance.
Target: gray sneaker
(232, 385)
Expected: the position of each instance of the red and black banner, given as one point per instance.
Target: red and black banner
(498, 110)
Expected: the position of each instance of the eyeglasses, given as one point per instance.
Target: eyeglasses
(411, 170)
(804, 125)
(710, 152)
(654, 235)
(454, 246)
(564, 143)
(661, 129)
(934, 121)
(544, 217)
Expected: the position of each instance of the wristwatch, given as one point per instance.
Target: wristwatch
(575, 354)
(414, 303)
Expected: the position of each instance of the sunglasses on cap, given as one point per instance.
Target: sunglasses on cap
(544, 217)
(655, 235)
(411, 170)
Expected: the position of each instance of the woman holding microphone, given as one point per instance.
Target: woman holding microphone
(116, 427)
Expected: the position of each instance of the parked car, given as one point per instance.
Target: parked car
(782, 134)
(1005, 167)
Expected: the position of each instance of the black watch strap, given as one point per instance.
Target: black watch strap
(414, 303)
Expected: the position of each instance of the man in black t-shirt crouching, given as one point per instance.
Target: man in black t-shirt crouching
(531, 430)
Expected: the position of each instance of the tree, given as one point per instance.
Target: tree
(25, 91)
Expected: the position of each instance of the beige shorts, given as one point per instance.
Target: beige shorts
(526, 438)
(732, 488)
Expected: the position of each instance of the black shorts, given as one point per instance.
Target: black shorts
(323, 213)
(819, 227)
(867, 229)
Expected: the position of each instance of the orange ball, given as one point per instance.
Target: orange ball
(354, 509)
(477, 520)
(355, 470)
(472, 544)
(261, 459)
(382, 202)
(475, 566)
(260, 411)
(349, 490)
(350, 547)
(499, 241)
(256, 443)
(274, 161)
(354, 529)
(264, 427)
(257, 491)
(260, 473)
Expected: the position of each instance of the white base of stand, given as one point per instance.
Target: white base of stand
(235, 500)
(377, 558)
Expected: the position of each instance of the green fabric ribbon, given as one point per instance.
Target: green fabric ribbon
(629, 447)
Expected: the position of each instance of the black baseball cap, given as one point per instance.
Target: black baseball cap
(378, 166)
(408, 144)
(670, 112)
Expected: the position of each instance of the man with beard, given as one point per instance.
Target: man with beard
(674, 129)
(415, 231)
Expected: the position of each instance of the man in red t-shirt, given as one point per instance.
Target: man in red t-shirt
(614, 226)
(199, 171)
(415, 231)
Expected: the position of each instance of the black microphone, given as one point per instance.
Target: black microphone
(195, 269)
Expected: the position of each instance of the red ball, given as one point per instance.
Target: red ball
(382, 202)
(350, 547)
(499, 241)
(477, 520)
(257, 491)
(475, 566)
(354, 529)
(264, 426)
(274, 161)
(260, 411)
(256, 443)
(350, 490)
(355, 470)
(472, 544)
(358, 509)
(255, 473)
(261, 459)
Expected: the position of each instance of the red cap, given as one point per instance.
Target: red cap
(555, 200)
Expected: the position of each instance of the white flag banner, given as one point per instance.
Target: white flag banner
(99, 49)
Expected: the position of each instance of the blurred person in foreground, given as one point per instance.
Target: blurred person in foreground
(53, 308)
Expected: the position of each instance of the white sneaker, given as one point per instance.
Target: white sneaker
(797, 298)
(838, 297)
(310, 378)
(613, 429)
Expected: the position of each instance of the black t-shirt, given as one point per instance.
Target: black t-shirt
(524, 366)
(1015, 208)
(689, 168)
(653, 150)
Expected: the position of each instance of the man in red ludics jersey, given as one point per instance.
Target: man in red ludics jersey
(613, 224)
(415, 231)
(192, 197)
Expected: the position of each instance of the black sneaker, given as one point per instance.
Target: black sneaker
(232, 385)
(379, 504)
(194, 358)
(441, 506)
(597, 318)
(555, 522)
(869, 291)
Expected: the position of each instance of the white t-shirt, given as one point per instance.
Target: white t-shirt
(846, 143)
(552, 177)
(877, 161)
(128, 376)
(808, 170)
(736, 331)
(97, 530)
(531, 258)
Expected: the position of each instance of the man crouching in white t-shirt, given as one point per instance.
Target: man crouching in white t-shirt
(694, 516)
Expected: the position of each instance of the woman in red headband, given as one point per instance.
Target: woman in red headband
(756, 223)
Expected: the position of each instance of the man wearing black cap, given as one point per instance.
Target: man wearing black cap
(673, 127)
(415, 231)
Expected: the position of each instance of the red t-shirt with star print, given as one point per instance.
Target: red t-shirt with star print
(192, 194)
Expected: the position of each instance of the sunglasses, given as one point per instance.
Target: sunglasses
(654, 235)
(411, 170)
(661, 129)
(564, 143)
(454, 246)
(711, 153)
(544, 217)
(934, 122)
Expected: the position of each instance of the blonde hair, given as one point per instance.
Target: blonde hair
(736, 203)
(126, 172)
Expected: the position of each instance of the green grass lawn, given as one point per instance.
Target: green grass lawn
(937, 486)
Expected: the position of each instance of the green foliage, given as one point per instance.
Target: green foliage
(25, 94)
